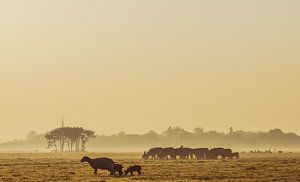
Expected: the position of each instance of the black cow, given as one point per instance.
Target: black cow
(100, 163)
(131, 169)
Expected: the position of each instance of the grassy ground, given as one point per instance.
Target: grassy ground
(66, 167)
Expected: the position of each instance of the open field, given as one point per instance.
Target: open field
(66, 167)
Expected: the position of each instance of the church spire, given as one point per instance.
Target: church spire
(62, 122)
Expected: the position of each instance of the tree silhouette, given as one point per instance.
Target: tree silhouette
(74, 137)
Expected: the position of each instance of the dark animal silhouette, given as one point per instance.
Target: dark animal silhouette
(153, 153)
(100, 163)
(145, 155)
(211, 155)
(165, 153)
(214, 153)
(183, 152)
(217, 150)
(134, 168)
(118, 168)
(234, 155)
(189, 153)
(200, 153)
(225, 153)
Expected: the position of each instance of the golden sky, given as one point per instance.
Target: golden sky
(140, 65)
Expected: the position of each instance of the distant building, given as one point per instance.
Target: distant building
(231, 130)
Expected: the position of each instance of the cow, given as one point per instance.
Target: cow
(131, 169)
(183, 152)
(153, 153)
(118, 168)
(234, 155)
(100, 163)
(214, 153)
(226, 153)
(166, 152)
(200, 153)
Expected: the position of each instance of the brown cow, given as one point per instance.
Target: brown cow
(226, 153)
(234, 155)
(200, 153)
(183, 152)
(211, 155)
(100, 163)
(214, 153)
(166, 152)
(153, 153)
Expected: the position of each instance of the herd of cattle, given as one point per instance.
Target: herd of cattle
(160, 153)
(189, 153)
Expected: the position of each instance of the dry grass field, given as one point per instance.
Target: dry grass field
(52, 166)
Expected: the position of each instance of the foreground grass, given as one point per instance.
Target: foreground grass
(66, 167)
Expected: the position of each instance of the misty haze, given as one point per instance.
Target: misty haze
(143, 90)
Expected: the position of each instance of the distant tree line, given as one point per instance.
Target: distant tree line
(176, 136)
(74, 138)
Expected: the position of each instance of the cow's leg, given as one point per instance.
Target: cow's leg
(95, 171)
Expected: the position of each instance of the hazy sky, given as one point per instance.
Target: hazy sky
(136, 65)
